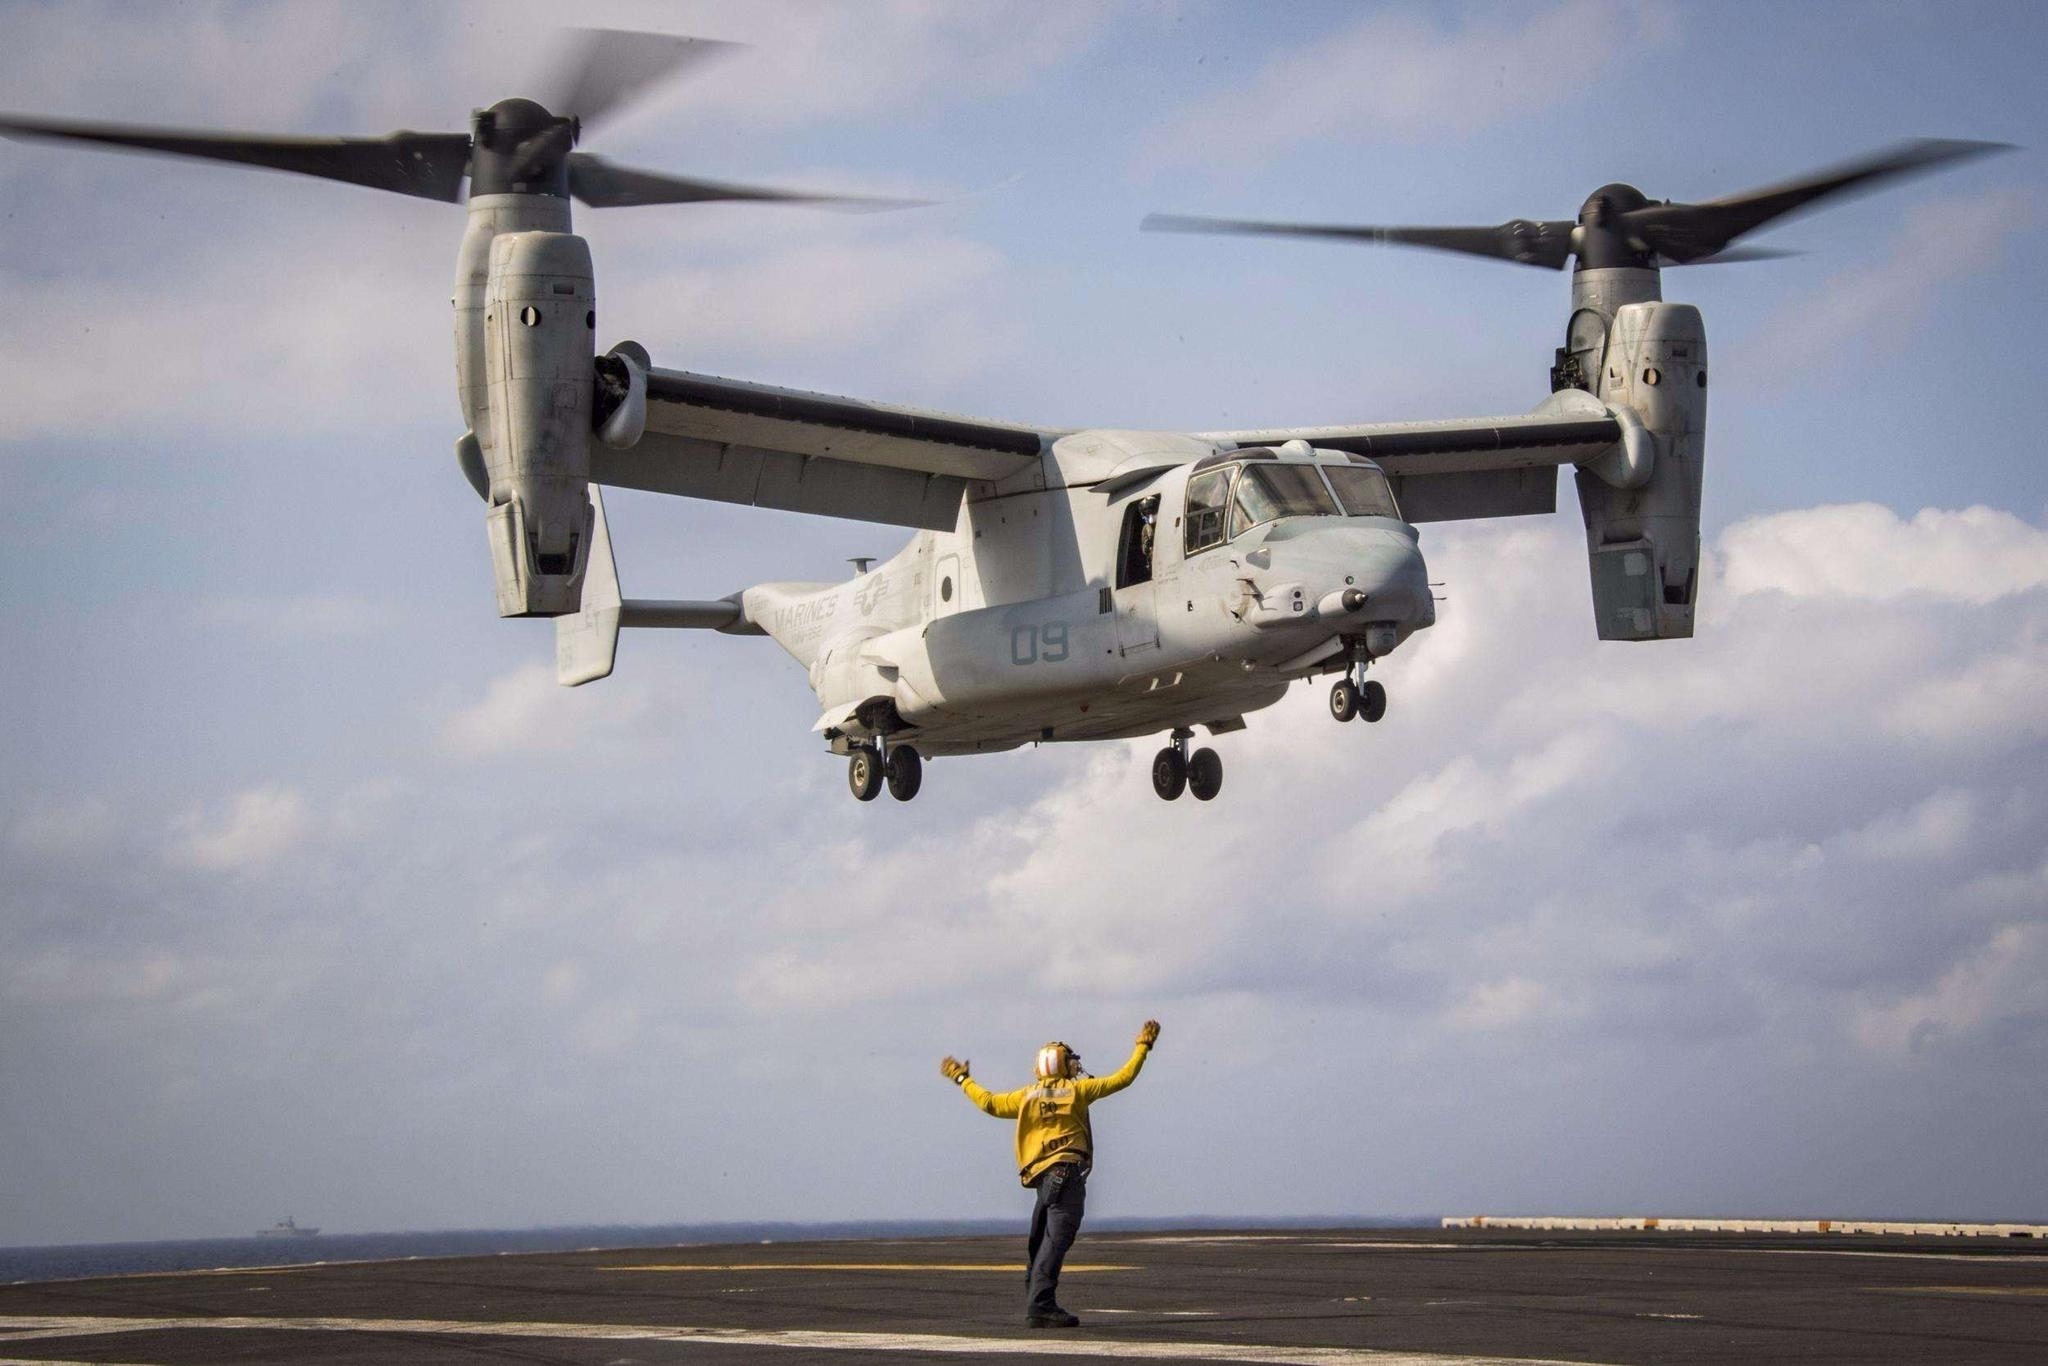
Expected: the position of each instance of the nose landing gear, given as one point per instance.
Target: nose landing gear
(1174, 770)
(1356, 695)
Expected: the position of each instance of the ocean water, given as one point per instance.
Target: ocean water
(73, 1261)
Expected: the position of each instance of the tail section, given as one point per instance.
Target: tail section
(587, 640)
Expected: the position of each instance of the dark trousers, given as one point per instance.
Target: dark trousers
(1062, 1195)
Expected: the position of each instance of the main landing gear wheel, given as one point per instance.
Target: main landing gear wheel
(1343, 700)
(1372, 701)
(864, 773)
(1205, 774)
(905, 771)
(1169, 772)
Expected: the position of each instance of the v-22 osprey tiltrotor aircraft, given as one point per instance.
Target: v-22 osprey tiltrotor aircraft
(1061, 585)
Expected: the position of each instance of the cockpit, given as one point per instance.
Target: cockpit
(1247, 489)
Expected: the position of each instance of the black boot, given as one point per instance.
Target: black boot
(1054, 1317)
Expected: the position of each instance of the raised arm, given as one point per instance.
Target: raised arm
(1001, 1104)
(1095, 1088)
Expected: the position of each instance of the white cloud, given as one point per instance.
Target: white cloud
(1506, 1004)
(1411, 79)
(1863, 550)
(807, 62)
(922, 296)
(1933, 828)
(527, 712)
(1547, 828)
(259, 827)
(1878, 307)
(2005, 979)
(237, 335)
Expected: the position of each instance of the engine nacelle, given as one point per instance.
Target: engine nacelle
(539, 349)
(1642, 504)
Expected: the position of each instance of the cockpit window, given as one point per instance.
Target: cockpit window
(1364, 492)
(1208, 496)
(1265, 492)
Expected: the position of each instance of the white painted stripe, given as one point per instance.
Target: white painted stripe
(1906, 1254)
(1690, 1225)
(804, 1339)
(1974, 1258)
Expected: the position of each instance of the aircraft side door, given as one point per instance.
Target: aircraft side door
(1135, 596)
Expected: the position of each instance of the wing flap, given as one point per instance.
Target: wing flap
(1463, 495)
(852, 430)
(758, 445)
(693, 468)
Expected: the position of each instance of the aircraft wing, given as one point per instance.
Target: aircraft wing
(1470, 466)
(736, 442)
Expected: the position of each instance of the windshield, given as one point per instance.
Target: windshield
(1363, 491)
(1266, 492)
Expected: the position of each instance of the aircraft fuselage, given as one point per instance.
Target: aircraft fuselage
(1092, 599)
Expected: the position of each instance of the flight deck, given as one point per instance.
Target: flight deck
(1335, 1297)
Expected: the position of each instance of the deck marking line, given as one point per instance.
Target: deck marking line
(1007, 1268)
(802, 1339)
(2024, 1290)
(1972, 1257)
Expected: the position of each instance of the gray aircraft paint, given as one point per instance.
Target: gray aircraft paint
(1009, 617)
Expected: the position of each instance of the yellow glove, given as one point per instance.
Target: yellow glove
(953, 1070)
(1149, 1035)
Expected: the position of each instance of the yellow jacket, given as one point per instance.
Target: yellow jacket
(1052, 1116)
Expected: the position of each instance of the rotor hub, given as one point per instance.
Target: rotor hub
(518, 147)
(1605, 206)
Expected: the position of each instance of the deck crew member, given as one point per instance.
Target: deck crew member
(1055, 1150)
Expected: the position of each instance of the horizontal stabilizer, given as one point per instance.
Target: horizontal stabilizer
(587, 642)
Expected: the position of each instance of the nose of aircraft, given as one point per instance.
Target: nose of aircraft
(1362, 574)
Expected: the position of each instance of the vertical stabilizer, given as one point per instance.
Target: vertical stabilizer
(587, 641)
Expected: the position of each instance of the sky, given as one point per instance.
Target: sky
(317, 896)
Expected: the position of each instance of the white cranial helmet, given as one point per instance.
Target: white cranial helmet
(1057, 1060)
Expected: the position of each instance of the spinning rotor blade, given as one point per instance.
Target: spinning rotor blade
(429, 165)
(1733, 254)
(604, 69)
(1548, 245)
(1619, 226)
(604, 185)
(1688, 232)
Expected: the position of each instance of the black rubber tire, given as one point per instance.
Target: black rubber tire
(864, 773)
(1343, 700)
(1169, 773)
(1205, 774)
(1372, 701)
(905, 772)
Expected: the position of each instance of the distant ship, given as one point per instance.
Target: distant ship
(287, 1229)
